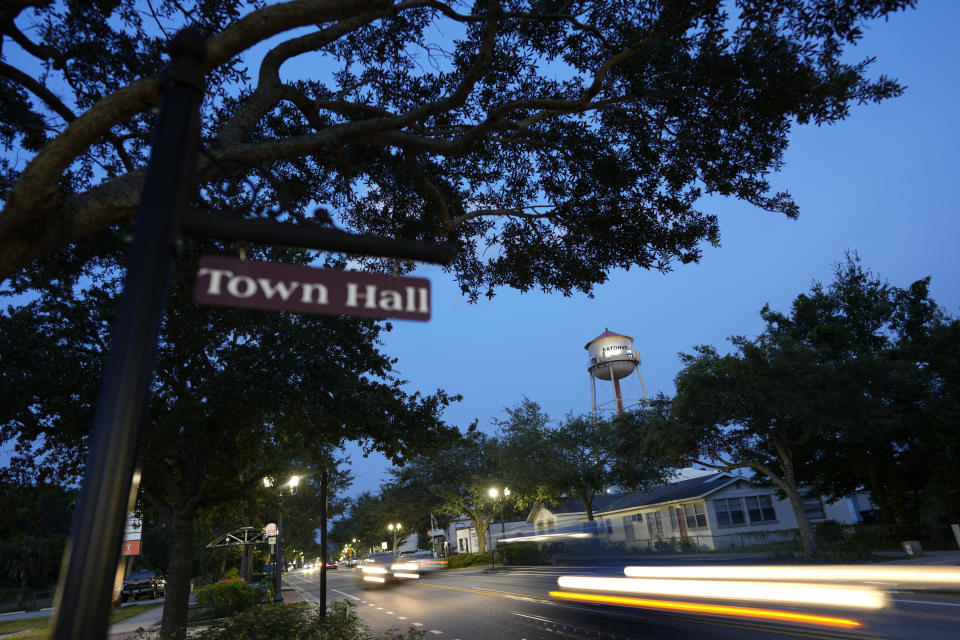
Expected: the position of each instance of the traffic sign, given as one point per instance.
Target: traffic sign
(270, 529)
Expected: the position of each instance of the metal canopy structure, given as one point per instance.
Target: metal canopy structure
(242, 537)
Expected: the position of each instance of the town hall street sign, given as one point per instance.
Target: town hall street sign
(230, 282)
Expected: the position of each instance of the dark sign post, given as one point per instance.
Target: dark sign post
(82, 607)
(323, 545)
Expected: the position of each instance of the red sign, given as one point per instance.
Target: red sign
(230, 282)
(131, 548)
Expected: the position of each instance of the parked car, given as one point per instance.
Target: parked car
(147, 582)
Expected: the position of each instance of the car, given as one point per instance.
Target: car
(332, 564)
(144, 583)
(425, 561)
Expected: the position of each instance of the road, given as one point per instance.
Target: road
(478, 604)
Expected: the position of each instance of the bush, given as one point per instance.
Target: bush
(524, 553)
(849, 550)
(296, 622)
(467, 560)
(231, 596)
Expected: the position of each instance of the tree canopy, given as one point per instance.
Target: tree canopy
(852, 389)
(588, 129)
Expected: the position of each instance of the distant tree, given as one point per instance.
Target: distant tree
(756, 408)
(587, 129)
(893, 383)
(455, 481)
(581, 457)
(34, 524)
(853, 389)
(527, 457)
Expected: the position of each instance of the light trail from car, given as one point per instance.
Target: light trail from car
(781, 592)
(914, 576)
(710, 609)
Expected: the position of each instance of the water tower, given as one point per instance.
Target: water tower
(612, 357)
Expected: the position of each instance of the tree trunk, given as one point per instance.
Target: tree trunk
(179, 570)
(481, 536)
(803, 522)
(245, 552)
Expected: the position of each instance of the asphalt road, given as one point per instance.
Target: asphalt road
(477, 604)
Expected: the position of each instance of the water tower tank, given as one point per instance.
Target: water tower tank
(612, 353)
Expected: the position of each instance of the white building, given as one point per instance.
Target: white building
(708, 512)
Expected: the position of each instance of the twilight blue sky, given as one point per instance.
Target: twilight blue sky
(882, 183)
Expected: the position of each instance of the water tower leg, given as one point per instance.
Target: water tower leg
(616, 391)
(593, 397)
(646, 401)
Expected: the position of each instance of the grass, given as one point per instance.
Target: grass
(39, 628)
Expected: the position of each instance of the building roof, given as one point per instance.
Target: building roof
(601, 502)
(679, 490)
(606, 334)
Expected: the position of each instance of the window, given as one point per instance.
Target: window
(695, 514)
(814, 508)
(760, 509)
(654, 524)
(673, 519)
(629, 532)
(729, 512)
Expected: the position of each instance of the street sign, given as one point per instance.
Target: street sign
(270, 529)
(230, 282)
(131, 536)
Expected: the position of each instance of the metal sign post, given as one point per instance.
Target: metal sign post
(84, 591)
(323, 545)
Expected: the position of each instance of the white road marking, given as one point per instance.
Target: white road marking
(344, 593)
(435, 632)
(418, 624)
(390, 612)
(379, 608)
(938, 604)
(402, 617)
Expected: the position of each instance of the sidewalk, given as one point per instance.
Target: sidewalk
(928, 558)
(128, 628)
(150, 620)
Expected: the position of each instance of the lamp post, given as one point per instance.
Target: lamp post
(278, 555)
(498, 497)
(395, 528)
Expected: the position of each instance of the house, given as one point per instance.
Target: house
(710, 511)
(461, 535)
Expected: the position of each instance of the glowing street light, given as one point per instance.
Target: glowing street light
(395, 528)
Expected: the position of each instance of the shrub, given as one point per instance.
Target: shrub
(524, 553)
(230, 597)
(663, 545)
(467, 560)
(296, 622)
(231, 574)
(849, 550)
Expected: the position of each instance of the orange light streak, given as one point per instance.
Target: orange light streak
(716, 609)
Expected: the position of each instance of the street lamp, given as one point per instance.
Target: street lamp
(278, 553)
(395, 528)
(495, 495)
